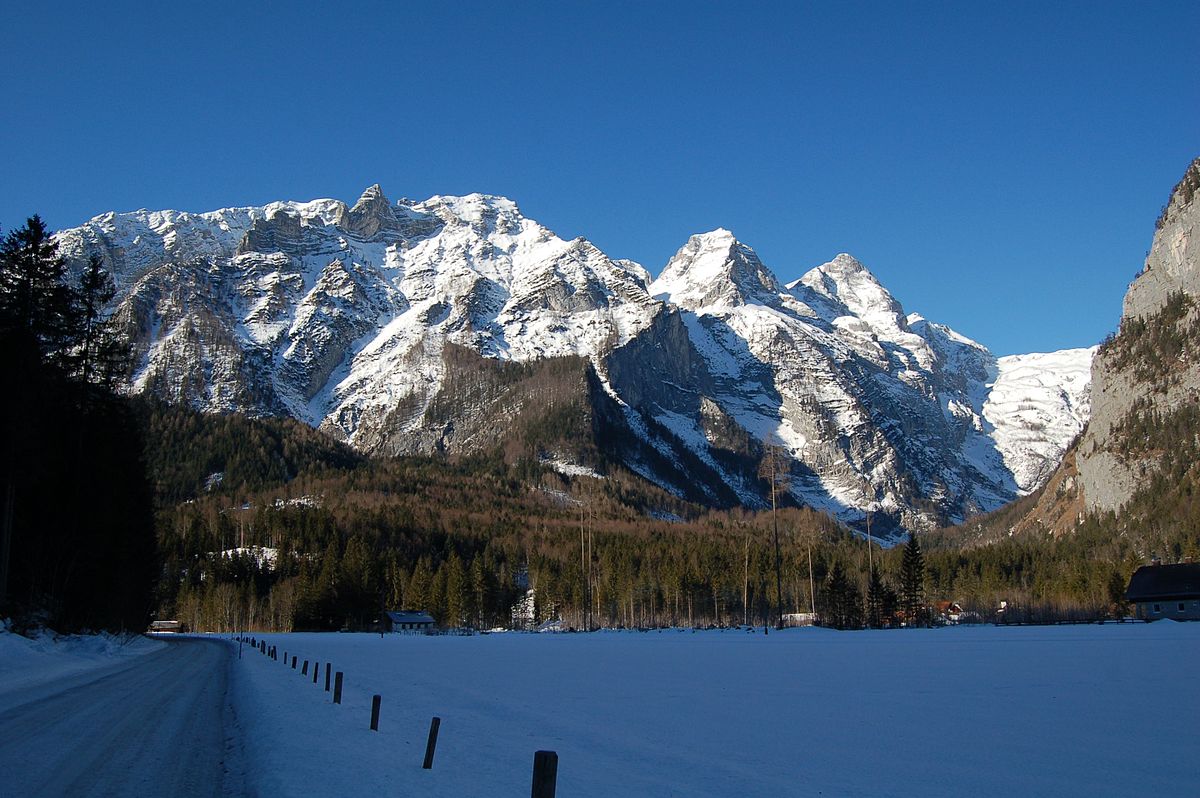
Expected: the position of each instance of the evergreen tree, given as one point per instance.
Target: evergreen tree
(842, 600)
(912, 583)
(458, 592)
(881, 602)
(101, 356)
(35, 298)
(359, 582)
(874, 606)
(417, 596)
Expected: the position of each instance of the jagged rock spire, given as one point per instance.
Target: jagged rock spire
(372, 214)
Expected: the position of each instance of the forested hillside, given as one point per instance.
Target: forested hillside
(464, 538)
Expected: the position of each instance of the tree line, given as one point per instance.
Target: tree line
(77, 546)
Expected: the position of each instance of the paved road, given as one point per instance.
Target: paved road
(158, 725)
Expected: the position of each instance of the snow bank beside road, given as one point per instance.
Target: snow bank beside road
(48, 657)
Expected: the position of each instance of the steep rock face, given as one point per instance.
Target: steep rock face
(875, 410)
(338, 316)
(1152, 366)
(455, 324)
(1172, 264)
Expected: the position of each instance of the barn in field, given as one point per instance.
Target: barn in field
(407, 621)
(1166, 591)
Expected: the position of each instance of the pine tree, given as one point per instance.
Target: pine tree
(842, 601)
(481, 589)
(458, 592)
(359, 581)
(874, 606)
(101, 356)
(912, 583)
(417, 596)
(35, 299)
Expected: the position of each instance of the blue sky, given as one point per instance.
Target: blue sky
(998, 166)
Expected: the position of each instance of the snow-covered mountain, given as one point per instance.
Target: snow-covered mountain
(352, 318)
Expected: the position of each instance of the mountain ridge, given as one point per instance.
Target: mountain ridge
(340, 316)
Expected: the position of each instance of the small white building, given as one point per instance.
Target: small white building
(407, 621)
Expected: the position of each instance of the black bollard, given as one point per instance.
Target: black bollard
(545, 774)
(375, 700)
(328, 667)
(431, 744)
(337, 688)
(316, 670)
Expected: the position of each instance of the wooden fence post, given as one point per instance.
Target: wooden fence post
(293, 662)
(316, 670)
(304, 670)
(431, 743)
(328, 667)
(375, 712)
(545, 774)
(337, 688)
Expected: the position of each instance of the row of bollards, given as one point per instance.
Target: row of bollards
(545, 763)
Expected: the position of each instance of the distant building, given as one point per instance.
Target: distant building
(407, 621)
(948, 611)
(166, 626)
(1166, 591)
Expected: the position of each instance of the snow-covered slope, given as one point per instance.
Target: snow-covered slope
(338, 315)
(1038, 404)
(341, 316)
(873, 406)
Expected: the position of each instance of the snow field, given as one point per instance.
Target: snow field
(1084, 710)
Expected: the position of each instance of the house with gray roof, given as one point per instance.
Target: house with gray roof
(407, 621)
(1166, 591)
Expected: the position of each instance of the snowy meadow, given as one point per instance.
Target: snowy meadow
(984, 711)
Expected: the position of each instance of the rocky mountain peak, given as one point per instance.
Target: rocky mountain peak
(715, 268)
(847, 282)
(372, 214)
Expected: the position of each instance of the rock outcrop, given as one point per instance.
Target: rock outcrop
(1151, 368)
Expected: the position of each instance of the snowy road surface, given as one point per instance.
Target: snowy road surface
(155, 725)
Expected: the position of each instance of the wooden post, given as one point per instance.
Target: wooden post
(304, 670)
(431, 744)
(337, 688)
(316, 670)
(545, 774)
(375, 700)
(328, 667)
(293, 662)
